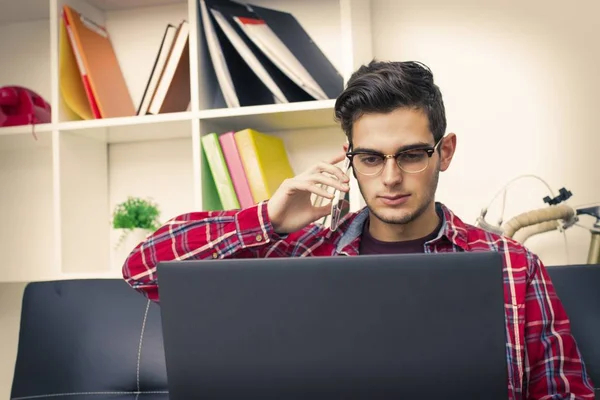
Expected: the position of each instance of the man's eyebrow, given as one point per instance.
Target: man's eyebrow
(417, 145)
(367, 150)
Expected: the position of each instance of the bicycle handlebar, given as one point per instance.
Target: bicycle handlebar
(526, 232)
(537, 221)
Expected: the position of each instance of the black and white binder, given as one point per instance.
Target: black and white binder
(264, 56)
(238, 82)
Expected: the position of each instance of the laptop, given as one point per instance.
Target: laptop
(405, 326)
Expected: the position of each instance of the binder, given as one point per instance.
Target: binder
(249, 57)
(227, 13)
(239, 84)
(99, 66)
(236, 169)
(218, 61)
(220, 172)
(265, 162)
(77, 96)
(210, 195)
(291, 33)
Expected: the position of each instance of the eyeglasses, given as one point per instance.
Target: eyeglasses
(410, 161)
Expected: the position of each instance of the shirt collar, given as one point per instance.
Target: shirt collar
(453, 229)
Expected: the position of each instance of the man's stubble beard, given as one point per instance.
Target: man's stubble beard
(411, 216)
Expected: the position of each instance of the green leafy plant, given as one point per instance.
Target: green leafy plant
(136, 213)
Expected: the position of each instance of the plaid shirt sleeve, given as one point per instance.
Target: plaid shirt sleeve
(554, 369)
(204, 235)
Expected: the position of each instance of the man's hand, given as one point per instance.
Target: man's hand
(290, 209)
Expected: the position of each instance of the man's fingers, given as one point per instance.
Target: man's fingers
(339, 157)
(333, 170)
(325, 180)
(312, 188)
(322, 211)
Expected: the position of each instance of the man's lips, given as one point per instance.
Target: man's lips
(394, 200)
(393, 197)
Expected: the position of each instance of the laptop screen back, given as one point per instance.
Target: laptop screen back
(369, 327)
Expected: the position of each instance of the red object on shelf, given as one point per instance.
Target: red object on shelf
(22, 106)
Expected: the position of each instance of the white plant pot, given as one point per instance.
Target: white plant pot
(124, 241)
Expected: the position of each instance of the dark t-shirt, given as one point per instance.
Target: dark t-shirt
(370, 245)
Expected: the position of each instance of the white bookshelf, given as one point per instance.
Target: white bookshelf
(58, 191)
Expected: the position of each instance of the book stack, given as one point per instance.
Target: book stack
(91, 80)
(241, 169)
(168, 88)
(246, 167)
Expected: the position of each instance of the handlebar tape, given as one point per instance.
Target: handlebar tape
(537, 221)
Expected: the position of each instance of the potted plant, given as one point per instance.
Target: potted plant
(135, 218)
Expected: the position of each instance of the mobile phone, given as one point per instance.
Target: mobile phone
(340, 204)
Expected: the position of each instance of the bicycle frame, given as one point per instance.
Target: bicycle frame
(594, 252)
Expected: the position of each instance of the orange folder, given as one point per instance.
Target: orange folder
(99, 68)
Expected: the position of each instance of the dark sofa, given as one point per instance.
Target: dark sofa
(99, 339)
(89, 339)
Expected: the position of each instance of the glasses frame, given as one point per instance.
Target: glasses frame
(429, 150)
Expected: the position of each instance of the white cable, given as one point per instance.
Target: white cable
(582, 226)
(501, 218)
(566, 247)
(524, 233)
(527, 232)
(512, 181)
(504, 189)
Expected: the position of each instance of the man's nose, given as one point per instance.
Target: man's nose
(392, 174)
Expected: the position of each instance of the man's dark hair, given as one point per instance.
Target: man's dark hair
(384, 86)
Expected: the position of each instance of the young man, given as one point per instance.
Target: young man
(394, 118)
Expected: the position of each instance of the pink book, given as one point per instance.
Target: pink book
(236, 169)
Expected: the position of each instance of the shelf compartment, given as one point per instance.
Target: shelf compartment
(26, 207)
(26, 61)
(135, 29)
(325, 27)
(83, 188)
(24, 11)
(162, 171)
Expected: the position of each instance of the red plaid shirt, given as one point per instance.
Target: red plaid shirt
(543, 359)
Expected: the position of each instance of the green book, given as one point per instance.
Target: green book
(219, 172)
(210, 197)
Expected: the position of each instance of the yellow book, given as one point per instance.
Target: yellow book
(265, 162)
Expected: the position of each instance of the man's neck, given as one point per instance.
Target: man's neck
(416, 229)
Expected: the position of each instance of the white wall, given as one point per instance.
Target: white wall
(10, 315)
(520, 83)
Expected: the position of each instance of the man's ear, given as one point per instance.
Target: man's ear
(346, 145)
(447, 149)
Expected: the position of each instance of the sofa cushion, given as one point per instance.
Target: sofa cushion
(83, 339)
(578, 287)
